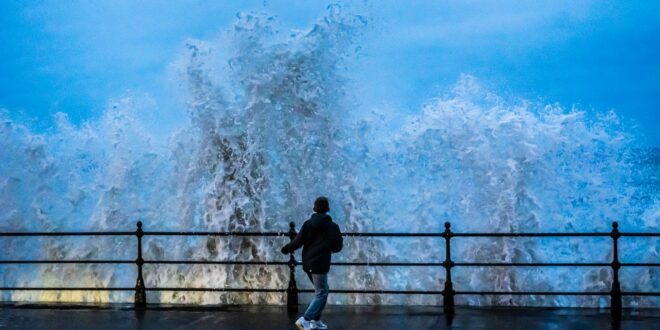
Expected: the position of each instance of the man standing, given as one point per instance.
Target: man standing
(319, 237)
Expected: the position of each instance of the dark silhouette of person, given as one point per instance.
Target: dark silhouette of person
(319, 237)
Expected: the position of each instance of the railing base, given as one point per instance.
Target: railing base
(292, 301)
(140, 300)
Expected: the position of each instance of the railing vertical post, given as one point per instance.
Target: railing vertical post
(448, 292)
(292, 289)
(140, 292)
(615, 294)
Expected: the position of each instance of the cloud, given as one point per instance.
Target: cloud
(525, 23)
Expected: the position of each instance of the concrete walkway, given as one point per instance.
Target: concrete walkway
(118, 317)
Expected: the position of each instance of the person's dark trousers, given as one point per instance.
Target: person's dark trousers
(317, 304)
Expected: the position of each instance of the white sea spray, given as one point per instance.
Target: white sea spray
(271, 125)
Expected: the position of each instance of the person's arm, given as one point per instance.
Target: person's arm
(297, 242)
(337, 242)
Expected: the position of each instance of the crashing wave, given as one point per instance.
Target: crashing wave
(271, 125)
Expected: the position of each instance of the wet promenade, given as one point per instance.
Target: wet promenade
(337, 317)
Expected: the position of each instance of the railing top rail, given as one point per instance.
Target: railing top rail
(340, 263)
(509, 234)
(548, 234)
(348, 234)
(215, 233)
(283, 233)
(69, 233)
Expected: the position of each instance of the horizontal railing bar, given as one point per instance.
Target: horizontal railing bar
(67, 261)
(453, 234)
(300, 290)
(386, 264)
(379, 291)
(555, 293)
(215, 289)
(393, 234)
(531, 264)
(212, 262)
(531, 293)
(403, 264)
(411, 264)
(464, 264)
(70, 233)
(227, 233)
(213, 233)
(36, 288)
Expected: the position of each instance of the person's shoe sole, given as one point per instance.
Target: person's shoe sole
(313, 327)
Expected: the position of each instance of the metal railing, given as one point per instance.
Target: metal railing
(448, 293)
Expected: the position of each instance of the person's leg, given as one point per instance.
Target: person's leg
(315, 307)
(323, 283)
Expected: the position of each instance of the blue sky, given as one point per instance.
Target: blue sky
(74, 56)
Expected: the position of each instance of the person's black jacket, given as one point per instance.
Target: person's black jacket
(320, 237)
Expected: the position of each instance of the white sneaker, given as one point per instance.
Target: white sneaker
(303, 324)
(319, 325)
